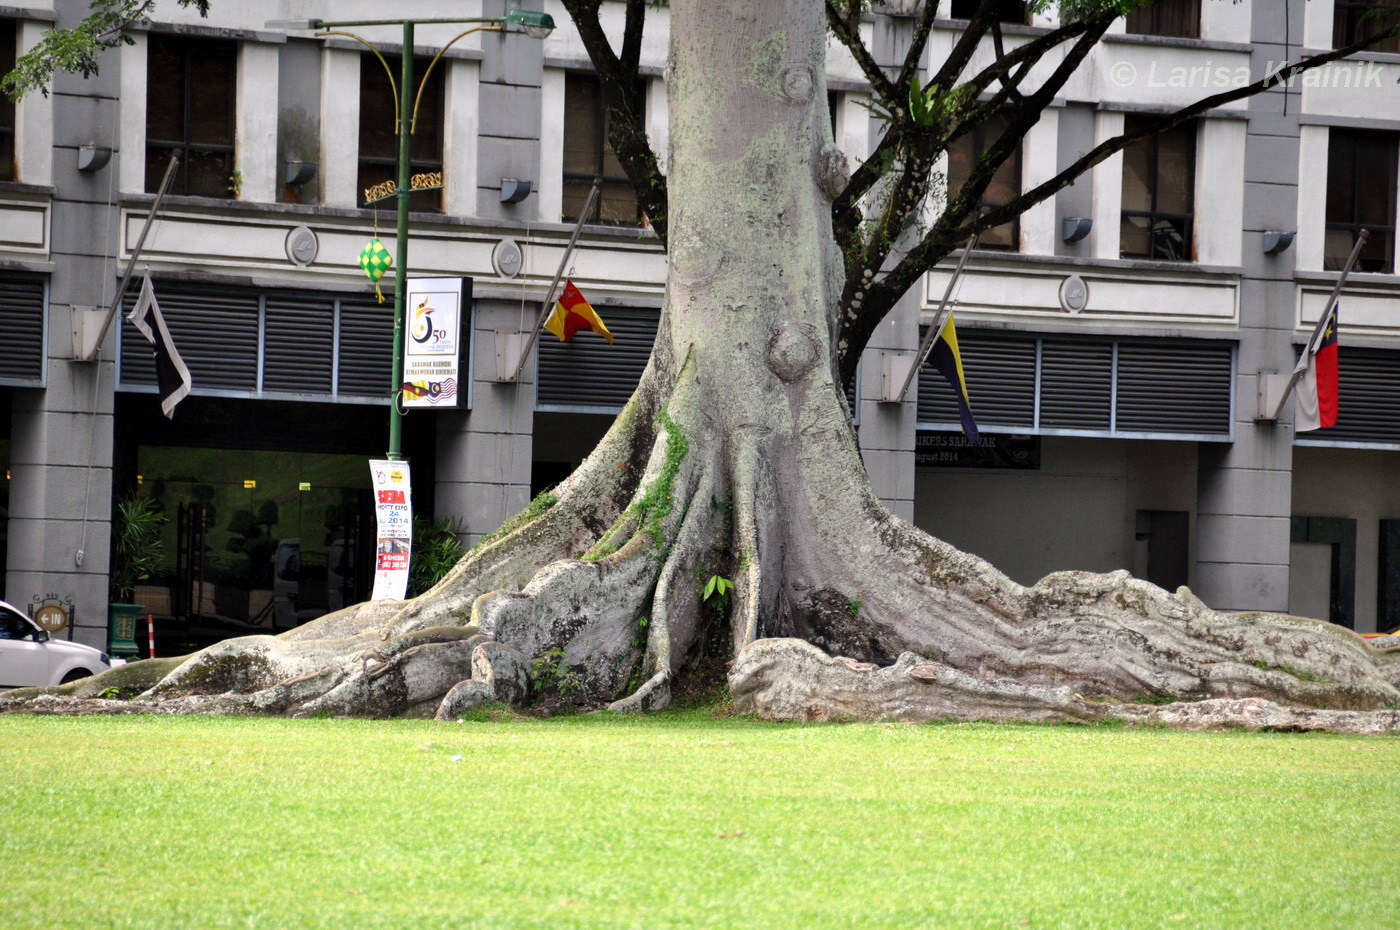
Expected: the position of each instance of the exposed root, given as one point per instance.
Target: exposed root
(790, 679)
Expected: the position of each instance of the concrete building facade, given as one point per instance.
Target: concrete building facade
(1115, 339)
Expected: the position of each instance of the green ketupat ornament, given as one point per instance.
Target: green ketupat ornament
(375, 260)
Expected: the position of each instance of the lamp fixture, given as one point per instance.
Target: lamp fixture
(1276, 242)
(535, 25)
(298, 173)
(1074, 228)
(514, 190)
(93, 157)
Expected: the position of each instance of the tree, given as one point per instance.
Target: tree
(735, 458)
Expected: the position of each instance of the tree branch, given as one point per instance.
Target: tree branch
(626, 112)
(848, 32)
(1110, 147)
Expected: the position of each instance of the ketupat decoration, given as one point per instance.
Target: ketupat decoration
(375, 260)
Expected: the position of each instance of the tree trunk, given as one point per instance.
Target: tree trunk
(735, 458)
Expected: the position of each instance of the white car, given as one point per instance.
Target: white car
(28, 657)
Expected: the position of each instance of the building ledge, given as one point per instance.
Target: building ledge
(301, 212)
(19, 187)
(1072, 263)
(1365, 280)
(28, 12)
(1205, 45)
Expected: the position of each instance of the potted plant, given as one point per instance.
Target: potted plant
(136, 554)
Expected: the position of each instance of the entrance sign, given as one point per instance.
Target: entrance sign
(437, 310)
(393, 508)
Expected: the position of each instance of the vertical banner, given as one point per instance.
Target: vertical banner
(438, 310)
(393, 507)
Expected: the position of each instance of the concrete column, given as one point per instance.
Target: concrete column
(340, 127)
(61, 439)
(34, 121)
(1244, 490)
(484, 455)
(886, 431)
(1108, 187)
(512, 71)
(459, 156)
(1039, 154)
(256, 122)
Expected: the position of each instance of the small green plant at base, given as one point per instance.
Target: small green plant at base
(853, 605)
(552, 672)
(716, 592)
(235, 184)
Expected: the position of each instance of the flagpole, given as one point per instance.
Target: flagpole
(932, 336)
(559, 274)
(1302, 365)
(135, 257)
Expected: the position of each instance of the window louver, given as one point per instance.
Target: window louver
(366, 349)
(586, 373)
(1369, 406)
(312, 345)
(1165, 388)
(216, 333)
(1000, 375)
(1092, 386)
(298, 345)
(1076, 385)
(21, 330)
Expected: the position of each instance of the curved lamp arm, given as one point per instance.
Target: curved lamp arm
(393, 85)
(423, 83)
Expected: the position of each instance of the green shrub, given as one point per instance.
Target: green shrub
(136, 544)
(436, 549)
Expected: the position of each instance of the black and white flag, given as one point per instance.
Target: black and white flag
(172, 377)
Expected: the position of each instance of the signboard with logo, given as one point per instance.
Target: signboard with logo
(53, 612)
(953, 450)
(393, 507)
(437, 325)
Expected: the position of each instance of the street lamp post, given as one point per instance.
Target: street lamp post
(535, 25)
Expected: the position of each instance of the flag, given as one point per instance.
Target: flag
(574, 313)
(946, 358)
(1316, 407)
(172, 377)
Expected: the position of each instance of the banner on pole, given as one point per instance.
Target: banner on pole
(437, 311)
(393, 508)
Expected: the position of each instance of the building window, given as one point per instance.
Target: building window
(1159, 179)
(588, 156)
(1351, 24)
(379, 142)
(8, 48)
(190, 87)
(1174, 18)
(1008, 11)
(1361, 180)
(1005, 186)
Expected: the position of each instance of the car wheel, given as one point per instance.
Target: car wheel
(75, 675)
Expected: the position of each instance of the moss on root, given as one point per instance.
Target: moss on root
(532, 512)
(650, 511)
(121, 682)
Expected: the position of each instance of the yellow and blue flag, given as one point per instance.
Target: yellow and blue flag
(946, 358)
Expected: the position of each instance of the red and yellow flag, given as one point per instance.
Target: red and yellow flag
(574, 313)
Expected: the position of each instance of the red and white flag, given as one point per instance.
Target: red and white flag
(1316, 406)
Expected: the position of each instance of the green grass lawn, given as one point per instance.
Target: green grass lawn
(681, 819)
